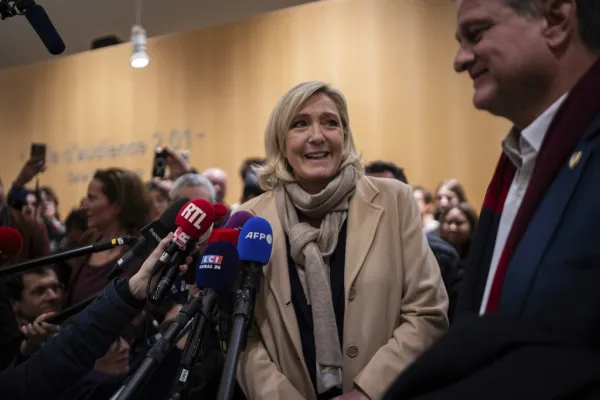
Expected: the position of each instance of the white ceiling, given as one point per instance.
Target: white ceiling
(81, 21)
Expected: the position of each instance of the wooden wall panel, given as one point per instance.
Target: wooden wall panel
(211, 91)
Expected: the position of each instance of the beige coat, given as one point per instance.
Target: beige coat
(395, 300)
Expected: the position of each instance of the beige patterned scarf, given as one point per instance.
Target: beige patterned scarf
(311, 249)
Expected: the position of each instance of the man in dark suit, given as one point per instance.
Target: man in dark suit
(535, 253)
(535, 259)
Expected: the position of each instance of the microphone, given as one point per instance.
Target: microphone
(65, 255)
(255, 245)
(231, 231)
(229, 235)
(11, 243)
(194, 219)
(152, 234)
(237, 220)
(220, 211)
(215, 275)
(40, 22)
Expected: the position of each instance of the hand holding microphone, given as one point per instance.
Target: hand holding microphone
(194, 220)
(36, 333)
(152, 234)
(139, 281)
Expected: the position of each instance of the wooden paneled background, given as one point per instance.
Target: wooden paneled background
(211, 91)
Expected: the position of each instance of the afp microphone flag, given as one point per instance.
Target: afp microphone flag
(256, 241)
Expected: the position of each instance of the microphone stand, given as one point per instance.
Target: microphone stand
(160, 350)
(194, 343)
(65, 255)
(242, 314)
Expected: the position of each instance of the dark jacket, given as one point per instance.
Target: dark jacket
(553, 274)
(450, 266)
(8, 329)
(496, 357)
(70, 355)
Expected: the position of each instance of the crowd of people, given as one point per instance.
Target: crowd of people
(119, 203)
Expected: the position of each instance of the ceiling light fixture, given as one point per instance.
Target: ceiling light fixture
(139, 58)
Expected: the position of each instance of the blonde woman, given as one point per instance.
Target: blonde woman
(352, 293)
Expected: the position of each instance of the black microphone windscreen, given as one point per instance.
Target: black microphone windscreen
(170, 215)
(156, 230)
(39, 20)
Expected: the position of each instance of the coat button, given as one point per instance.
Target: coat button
(352, 351)
(352, 293)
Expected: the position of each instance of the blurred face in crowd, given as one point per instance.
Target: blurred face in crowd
(159, 201)
(218, 178)
(314, 143)
(100, 211)
(28, 209)
(446, 199)
(48, 205)
(116, 359)
(424, 209)
(455, 228)
(42, 293)
(506, 54)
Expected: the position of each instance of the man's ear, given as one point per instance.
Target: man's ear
(560, 21)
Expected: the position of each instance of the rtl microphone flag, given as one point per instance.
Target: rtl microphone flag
(218, 267)
(194, 219)
(255, 243)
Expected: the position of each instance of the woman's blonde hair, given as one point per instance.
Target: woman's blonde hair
(276, 168)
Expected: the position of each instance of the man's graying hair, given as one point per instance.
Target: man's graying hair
(588, 15)
(192, 180)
